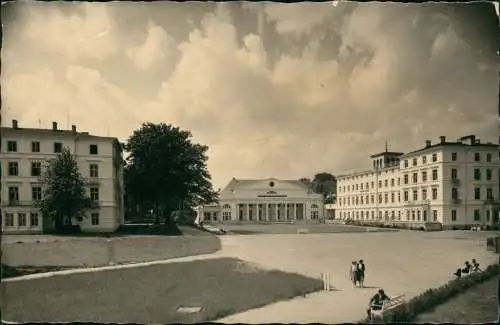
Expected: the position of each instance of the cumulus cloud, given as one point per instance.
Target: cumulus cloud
(86, 34)
(391, 71)
(297, 18)
(157, 46)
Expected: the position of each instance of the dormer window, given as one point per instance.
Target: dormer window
(271, 184)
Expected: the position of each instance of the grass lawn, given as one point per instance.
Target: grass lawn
(478, 305)
(252, 229)
(78, 252)
(131, 229)
(153, 294)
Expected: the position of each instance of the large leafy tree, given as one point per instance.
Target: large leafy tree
(166, 171)
(324, 184)
(64, 195)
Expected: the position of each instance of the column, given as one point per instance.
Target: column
(286, 211)
(295, 211)
(304, 211)
(248, 212)
(267, 212)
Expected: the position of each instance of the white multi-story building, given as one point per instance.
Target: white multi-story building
(265, 200)
(453, 184)
(23, 153)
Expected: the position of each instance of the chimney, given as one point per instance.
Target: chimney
(442, 139)
(427, 143)
(14, 124)
(478, 141)
(472, 139)
(54, 126)
(73, 128)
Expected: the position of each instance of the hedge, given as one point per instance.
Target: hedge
(433, 297)
(9, 272)
(379, 224)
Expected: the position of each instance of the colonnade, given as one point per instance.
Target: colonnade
(270, 212)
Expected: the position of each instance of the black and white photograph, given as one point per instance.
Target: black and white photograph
(250, 162)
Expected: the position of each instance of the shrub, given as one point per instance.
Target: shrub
(9, 271)
(433, 297)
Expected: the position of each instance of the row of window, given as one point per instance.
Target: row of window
(57, 146)
(414, 178)
(34, 219)
(263, 206)
(414, 215)
(226, 216)
(385, 198)
(36, 169)
(36, 193)
(454, 157)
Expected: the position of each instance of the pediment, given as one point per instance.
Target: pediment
(270, 186)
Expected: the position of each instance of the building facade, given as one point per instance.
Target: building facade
(451, 183)
(265, 200)
(23, 156)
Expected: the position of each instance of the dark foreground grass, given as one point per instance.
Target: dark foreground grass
(152, 294)
(477, 305)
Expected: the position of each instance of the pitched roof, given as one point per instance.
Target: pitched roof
(452, 144)
(68, 133)
(238, 182)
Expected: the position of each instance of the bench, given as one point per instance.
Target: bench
(387, 305)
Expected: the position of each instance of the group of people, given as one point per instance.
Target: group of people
(357, 273)
(469, 268)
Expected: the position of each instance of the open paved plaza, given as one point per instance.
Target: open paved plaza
(402, 262)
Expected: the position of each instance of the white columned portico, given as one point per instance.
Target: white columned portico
(263, 200)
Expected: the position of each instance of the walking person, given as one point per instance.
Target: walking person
(361, 273)
(353, 273)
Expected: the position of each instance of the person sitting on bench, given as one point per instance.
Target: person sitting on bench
(377, 302)
(475, 266)
(458, 273)
(467, 268)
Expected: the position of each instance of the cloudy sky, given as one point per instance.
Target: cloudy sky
(275, 90)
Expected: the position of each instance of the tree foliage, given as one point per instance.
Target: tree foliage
(64, 195)
(324, 184)
(166, 171)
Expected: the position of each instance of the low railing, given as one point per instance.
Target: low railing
(456, 201)
(455, 181)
